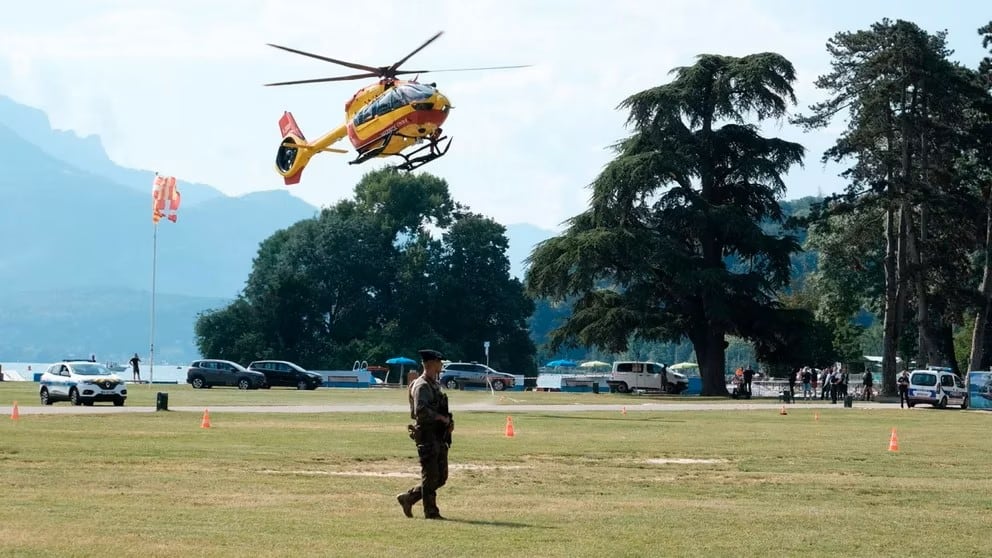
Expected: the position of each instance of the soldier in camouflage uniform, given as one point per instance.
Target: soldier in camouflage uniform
(432, 433)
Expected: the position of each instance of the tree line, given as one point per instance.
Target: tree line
(398, 267)
(675, 242)
(685, 237)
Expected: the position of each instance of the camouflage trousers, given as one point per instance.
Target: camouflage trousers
(433, 475)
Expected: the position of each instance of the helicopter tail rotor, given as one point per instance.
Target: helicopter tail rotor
(295, 151)
(293, 154)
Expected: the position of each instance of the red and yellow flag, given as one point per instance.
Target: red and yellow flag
(165, 198)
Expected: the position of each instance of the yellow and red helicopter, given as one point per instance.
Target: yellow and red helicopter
(381, 120)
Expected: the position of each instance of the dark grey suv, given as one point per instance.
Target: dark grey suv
(210, 372)
(474, 374)
(285, 373)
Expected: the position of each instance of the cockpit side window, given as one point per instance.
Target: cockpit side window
(388, 102)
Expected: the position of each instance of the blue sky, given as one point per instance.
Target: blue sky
(175, 85)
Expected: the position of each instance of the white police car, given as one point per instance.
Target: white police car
(81, 383)
(937, 386)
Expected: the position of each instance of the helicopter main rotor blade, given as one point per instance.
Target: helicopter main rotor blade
(392, 69)
(401, 72)
(326, 59)
(322, 80)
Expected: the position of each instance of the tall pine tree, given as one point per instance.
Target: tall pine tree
(672, 244)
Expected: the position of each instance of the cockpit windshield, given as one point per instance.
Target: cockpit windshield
(415, 91)
(393, 99)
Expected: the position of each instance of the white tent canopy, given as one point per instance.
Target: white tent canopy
(595, 364)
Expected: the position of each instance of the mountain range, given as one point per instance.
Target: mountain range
(76, 248)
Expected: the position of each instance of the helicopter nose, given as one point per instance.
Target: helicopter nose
(442, 102)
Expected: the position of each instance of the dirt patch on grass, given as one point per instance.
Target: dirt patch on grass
(481, 467)
(410, 473)
(684, 461)
(405, 474)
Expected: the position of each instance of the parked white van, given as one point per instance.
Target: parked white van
(647, 376)
(937, 386)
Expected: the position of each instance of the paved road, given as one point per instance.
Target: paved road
(66, 409)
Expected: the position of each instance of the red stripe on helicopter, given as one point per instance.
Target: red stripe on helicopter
(436, 117)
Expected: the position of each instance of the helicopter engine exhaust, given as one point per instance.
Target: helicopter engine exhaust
(291, 159)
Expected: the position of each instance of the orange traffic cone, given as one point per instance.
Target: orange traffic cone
(509, 427)
(782, 412)
(205, 423)
(894, 441)
(14, 413)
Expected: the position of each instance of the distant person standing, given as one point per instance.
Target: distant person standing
(808, 376)
(748, 376)
(903, 383)
(135, 371)
(92, 357)
(835, 379)
(867, 385)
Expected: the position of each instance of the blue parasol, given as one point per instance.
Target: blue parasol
(402, 361)
(561, 363)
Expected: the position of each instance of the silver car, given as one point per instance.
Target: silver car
(455, 374)
(212, 372)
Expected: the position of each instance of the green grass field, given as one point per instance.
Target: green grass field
(708, 483)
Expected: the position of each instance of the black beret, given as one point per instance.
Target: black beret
(429, 354)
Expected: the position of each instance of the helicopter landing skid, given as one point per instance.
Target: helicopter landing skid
(373, 152)
(435, 150)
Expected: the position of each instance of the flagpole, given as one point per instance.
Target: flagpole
(151, 355)
(163, 190)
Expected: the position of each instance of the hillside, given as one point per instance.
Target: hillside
(76, 247)
(86, 154)
(113, 323)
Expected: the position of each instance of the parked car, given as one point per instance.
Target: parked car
(211, 372)
(474, 374)
(937, 386)
(81, 382)
(284, 373)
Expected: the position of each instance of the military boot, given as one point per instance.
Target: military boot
(406, 503)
